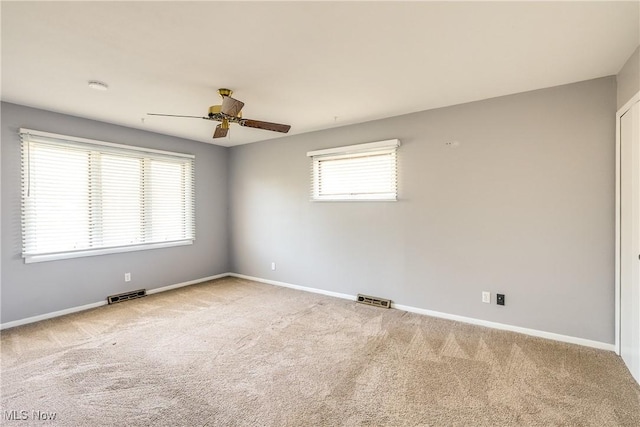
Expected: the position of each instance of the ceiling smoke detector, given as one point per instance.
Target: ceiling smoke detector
(95, 84)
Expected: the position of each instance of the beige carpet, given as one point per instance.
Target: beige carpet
(239, 353)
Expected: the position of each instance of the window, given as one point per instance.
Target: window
(82, 197)
(356, 172)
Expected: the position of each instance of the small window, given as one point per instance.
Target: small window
(356, 172)
(82, 197)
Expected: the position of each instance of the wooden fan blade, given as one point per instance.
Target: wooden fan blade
(175, 115)
(230, 106)
(220, 131)
(276, 127)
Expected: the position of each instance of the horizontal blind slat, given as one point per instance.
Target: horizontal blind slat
(79, 196)
(355, 175)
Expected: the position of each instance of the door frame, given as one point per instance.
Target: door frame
(626, 107)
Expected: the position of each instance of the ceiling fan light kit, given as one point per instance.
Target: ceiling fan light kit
(230, 112)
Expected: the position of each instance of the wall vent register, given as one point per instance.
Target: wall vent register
(374, 301)
(112, 299)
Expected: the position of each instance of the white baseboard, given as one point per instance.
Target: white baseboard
(100, 303)
(506, 327)
(470, 320)
(190, 282)
(53, 314)
(298, 287)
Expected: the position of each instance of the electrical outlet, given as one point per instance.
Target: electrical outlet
(127, 277)
(500, 299)
(486, 297)
(273, 265)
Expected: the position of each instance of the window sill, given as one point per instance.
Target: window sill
(353, 200)
(28, 259)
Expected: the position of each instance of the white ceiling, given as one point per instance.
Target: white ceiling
(313, 65)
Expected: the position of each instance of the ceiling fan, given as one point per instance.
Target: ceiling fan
(230, 112)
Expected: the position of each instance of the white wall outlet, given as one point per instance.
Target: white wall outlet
(273, 265)
(127, 277)
(486, 297)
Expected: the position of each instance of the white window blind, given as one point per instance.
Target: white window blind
(356, 172)
(83, 197)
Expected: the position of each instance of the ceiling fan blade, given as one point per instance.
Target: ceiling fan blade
(176, 115)
(220, 131)
(230, 106)
(276, 127)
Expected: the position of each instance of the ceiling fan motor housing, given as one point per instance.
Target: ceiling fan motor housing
(215, 110)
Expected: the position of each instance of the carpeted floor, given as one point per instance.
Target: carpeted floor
(238, 353)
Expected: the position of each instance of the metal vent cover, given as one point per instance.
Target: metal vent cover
(112, 299)
(375, 301)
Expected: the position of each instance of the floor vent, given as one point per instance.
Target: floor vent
(375, 301)
(127, 296)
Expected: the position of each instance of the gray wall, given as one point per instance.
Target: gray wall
(34, 289)
(524, 206)
(628, 78)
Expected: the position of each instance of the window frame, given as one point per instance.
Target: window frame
(90, 146)
(371, 149)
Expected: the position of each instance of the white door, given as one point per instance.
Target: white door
(630, 239)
